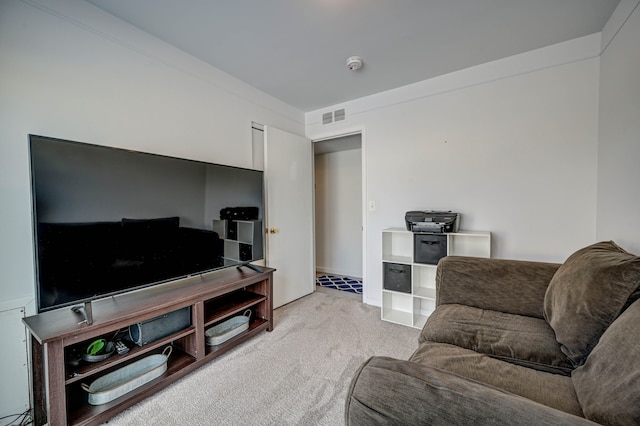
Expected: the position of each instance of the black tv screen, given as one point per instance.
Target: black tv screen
(110, 220)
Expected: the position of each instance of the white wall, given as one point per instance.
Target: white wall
(338, 219)
(74, 72)
(511, 145)
(619, 138)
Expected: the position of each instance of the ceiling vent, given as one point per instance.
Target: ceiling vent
(330, 117)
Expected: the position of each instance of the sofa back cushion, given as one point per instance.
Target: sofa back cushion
(608, 384)
(587, 293)
(552, 390)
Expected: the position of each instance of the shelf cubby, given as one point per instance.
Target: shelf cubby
(219, 309)
(243, 239)
(396, 307)
(86, 369)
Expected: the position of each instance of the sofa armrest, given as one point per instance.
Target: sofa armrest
(390, 391)
(511, 286)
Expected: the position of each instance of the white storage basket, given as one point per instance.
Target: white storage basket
(224, 331)
(117, 383)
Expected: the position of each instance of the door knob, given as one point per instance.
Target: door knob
(273, 231)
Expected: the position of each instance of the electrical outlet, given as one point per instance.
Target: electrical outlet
(372, 206)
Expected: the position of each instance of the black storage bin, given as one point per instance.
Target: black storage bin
(397, 277)
(245, 252)
(429, 248)
(232, 230)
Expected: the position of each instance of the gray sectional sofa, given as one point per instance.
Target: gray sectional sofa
(517, 343)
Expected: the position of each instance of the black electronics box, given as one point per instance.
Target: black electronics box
(240, 213)
(429, 248)
(432, 221)
(397, 277)
(156, 328)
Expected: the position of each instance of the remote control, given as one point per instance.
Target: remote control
(121, 348)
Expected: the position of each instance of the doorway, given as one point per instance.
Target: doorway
(338, 214)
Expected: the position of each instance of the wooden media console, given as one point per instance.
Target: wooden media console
(58, 336)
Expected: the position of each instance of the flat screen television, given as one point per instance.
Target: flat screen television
(109, 220)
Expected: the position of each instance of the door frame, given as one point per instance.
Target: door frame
(363, 202)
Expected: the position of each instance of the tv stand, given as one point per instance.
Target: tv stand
(57, 337)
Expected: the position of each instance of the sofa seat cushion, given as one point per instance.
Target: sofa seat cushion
(523, 340)
(386, 391)
(552, 390)
(587, 293)
(608, 384)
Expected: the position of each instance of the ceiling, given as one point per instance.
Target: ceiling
(296, 50)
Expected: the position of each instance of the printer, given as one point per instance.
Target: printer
(431, 221)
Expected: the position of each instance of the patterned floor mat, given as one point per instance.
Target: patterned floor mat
(352, 285)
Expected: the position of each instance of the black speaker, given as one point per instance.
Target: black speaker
(156, 328)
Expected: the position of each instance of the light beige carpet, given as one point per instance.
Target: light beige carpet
(298, 374)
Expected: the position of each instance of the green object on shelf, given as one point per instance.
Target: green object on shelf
(95, 347)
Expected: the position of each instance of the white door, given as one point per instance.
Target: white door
(288, 165)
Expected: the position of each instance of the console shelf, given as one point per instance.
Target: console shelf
(81, 372)
(57, 335)
(225, 306)
(409, 283)
(81, 413)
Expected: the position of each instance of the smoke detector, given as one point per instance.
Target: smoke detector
(354, 63)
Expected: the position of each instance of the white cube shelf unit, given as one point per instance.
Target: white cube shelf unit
(242, 239)
(411, 304)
